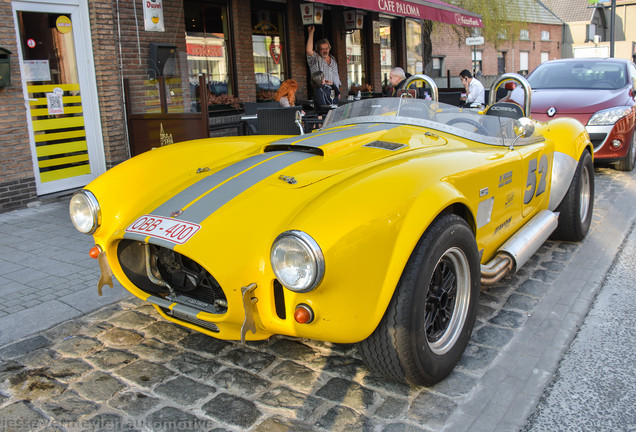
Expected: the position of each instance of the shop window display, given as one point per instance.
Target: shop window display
(414, 47)
(207, 46)
(268, 42)
(356, 73)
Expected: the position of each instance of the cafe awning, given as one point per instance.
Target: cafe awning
(434, 10)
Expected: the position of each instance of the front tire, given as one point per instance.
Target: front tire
(575, 211)
(627, 163)
(428, 322)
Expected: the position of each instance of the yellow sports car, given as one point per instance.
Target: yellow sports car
(377, 229)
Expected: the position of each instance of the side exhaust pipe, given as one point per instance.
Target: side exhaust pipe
(513, 254)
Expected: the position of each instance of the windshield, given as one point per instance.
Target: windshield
(449, 119)
(584, 74)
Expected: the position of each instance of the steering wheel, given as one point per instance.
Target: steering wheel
(480, 128)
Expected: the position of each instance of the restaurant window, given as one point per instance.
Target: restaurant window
(414, 48)
(523, 62)
(437, 67)
(387, 51)
(356, 74)
(476, 59)
(268, 46)
(501, 62)
(207, 46)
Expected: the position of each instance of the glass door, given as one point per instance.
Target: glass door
(63, 118)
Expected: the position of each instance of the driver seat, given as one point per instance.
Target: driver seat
(505, 109)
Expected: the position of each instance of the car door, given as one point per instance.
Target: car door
(537, 159)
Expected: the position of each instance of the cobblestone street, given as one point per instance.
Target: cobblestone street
(123, 367)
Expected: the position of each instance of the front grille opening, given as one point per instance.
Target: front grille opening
(597, 139)
(192, 320)
(279, 300)
(173, 276)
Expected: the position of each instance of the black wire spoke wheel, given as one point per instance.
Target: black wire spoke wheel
(428, 322)
(447, 301)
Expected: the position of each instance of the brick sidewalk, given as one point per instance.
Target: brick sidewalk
(124, 365)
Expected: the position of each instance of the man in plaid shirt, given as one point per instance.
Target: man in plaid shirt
(321, 60)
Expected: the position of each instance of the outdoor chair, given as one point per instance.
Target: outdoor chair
(280, 121)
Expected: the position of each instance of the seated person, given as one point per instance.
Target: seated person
(324, 94)
(475, 92)
(286, 94)
(397, 78)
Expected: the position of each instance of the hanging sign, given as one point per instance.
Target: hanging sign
(153, 15)
(312, 13)
(475, 40)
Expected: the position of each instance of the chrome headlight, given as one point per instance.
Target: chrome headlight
(85, 212)
(609, 116)
(297, 261)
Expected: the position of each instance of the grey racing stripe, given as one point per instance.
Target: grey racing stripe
(197, 189)
(318, 139)
(220, 196)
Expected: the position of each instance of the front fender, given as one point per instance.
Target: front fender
(365, 259)
(570, 141)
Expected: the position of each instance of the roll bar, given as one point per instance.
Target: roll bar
(527, 90)
(428, 80)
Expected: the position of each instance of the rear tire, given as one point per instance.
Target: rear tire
(627, 163)
(575, 211)
(428, 322)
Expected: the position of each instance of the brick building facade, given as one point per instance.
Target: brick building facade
(446, 41)
(116, 69)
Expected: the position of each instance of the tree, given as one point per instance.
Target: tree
(502, 21)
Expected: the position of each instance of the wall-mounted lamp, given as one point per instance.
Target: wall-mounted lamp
(354, 19)
(312, 13)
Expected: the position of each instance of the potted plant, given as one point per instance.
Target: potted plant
(223, 104)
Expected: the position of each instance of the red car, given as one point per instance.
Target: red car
(599, 92)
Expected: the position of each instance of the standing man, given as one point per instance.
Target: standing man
(475, 93)
(321, 60)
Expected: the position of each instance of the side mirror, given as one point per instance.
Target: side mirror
(524, 127)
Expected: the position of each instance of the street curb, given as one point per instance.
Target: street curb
(510, 390)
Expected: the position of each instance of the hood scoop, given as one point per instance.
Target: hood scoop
(385, 145)
(295, 148)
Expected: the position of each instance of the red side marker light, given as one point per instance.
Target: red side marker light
(303, 314)
(94, 252)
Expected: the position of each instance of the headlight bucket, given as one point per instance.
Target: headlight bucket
(609, 116)
(297, 261)
(85, 212)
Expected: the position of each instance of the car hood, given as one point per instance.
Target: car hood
(576, 101)
(349, 147)
(254, 172)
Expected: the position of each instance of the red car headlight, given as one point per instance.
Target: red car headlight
(609, 116)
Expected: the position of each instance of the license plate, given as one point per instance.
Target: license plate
(172, 230)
